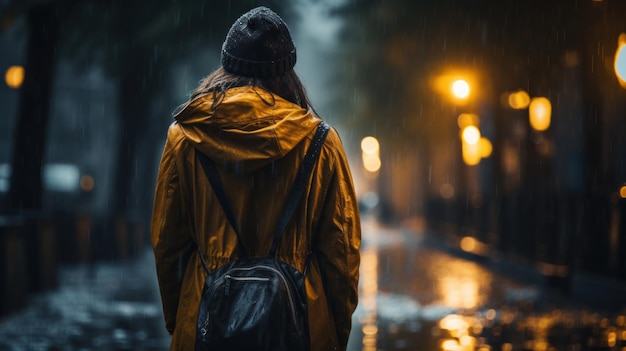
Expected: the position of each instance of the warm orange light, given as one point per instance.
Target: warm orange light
(620, 60)
(368, 287)
(14, 76)
(460, 89)
(467, 119)
(519, 100)
(468, 244)
(457, 85)
(371, 163)
(622, 192)
(447, 191)
(471, 145)
(370, 148)
(467, 342)
(86, 183)
(370, 145)
(453, 322)
(485, 147)
(449, 345)
(539, 112)
(471, 154)
(471, 135)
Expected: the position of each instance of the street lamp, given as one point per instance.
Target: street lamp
(458, 86)
(371, 154)
(539, 113)
(471, 147)
(467, 119)
(519, 100)
(471, 135)
(460, 89)
(14, 76)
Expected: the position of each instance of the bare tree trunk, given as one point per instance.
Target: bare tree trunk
(33, 249)
(134, 90)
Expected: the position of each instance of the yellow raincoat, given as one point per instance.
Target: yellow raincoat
(258, 140)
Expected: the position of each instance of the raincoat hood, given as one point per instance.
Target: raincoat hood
(248, 129)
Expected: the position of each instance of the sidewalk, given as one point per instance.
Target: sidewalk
(109, 306)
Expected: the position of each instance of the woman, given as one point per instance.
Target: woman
(253, 119)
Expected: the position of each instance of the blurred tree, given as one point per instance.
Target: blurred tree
(26, 189)
(138, 42)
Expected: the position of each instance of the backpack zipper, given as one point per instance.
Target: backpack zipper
(229, 277)
(282, 277)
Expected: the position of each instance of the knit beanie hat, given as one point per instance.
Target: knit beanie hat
(258, 44)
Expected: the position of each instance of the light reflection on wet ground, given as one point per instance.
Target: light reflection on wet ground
(416, 298)
(412, 297)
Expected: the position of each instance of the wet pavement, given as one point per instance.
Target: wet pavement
(106, 306)
(417, 296)
(413, 296)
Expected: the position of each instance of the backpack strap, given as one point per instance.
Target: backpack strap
(218, 187)
(300, 183)
(296, 191)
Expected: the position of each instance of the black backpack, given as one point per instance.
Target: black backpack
(256, 303)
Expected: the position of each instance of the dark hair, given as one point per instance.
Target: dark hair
(288, 86)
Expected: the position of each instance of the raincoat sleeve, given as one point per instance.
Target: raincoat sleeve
(339, 242)
(170, 233)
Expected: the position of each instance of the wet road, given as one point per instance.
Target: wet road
(413, 296)
(416, 297)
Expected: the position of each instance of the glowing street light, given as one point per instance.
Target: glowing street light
(458, 86)
(539, 113)
(14, 76)
(370, 145)
(467, 119)
(471, 135)
(471, 147)
(519, 100)
(485, 147)
(460, 89)
(474, 146)
(370, 148)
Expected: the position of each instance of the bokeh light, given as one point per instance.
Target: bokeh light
(471, 135)
(370, 145)
(467, 119)
(87, 183)
(371, 163)
(519, 100)
(14, 77)
(540, 111)
(485, 147)
(460, 89)
(370, 148)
